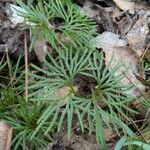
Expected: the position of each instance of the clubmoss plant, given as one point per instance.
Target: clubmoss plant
(54, 97)
(109, 91)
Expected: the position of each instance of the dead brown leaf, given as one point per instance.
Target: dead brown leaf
(125, 5)
(108, 134)
(137, 35)
(62, 92)
(131, 6)
(40, 49)
(5, 136)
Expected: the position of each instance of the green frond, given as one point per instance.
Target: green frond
(23, 120)
(99, 128)
(70, 112)
(75, 27)
(60, 71)
(109, 90)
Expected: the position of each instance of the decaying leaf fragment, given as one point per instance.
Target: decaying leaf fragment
(87, 10)
(12, 12)
(62, 92)
(6, 1)
(112, 45)
(40, 48)
(131, 6)
(125, 5)
(137, 35)
(5, 136)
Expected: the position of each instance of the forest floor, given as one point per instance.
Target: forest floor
(123, 29)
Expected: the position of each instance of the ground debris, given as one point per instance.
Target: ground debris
(75, 143)
(11, 38)
(125, 35)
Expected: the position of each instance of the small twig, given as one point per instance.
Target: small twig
(137, 121)
(2, 59)
(139, 131)
(26, 66)
(9, 67)
(144, 52)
